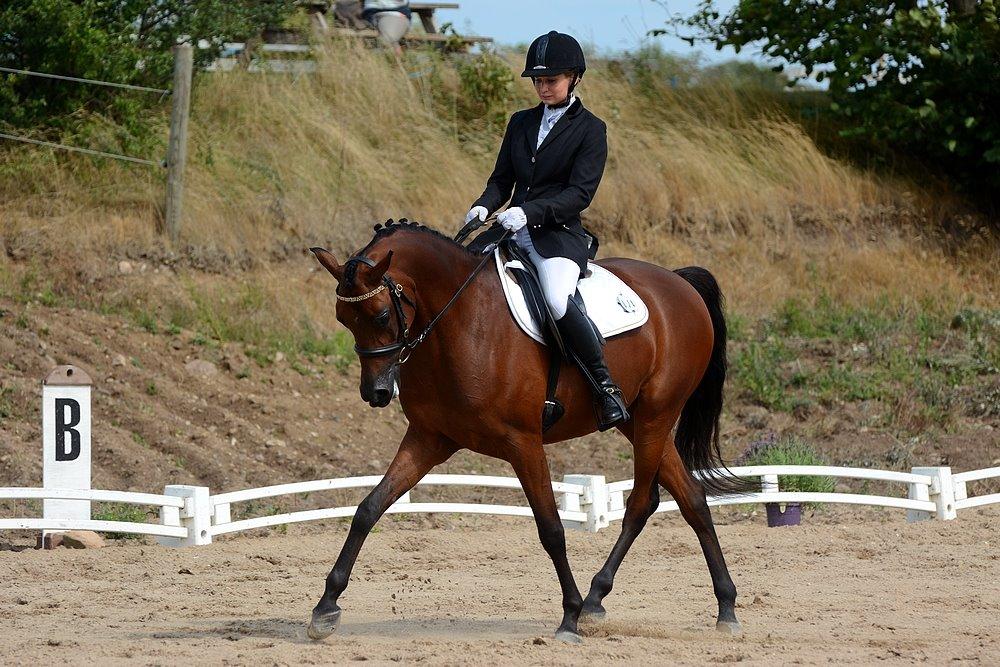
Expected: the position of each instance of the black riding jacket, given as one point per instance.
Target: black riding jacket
(552, 184)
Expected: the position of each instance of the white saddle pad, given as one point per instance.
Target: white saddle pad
(613, 306)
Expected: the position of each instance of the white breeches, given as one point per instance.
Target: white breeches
(558, 275)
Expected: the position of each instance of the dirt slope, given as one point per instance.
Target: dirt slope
(159, 421)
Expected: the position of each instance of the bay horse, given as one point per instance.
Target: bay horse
(477, 382)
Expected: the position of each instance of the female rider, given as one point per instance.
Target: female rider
(552, 159)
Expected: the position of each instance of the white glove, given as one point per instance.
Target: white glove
(513, 219)
(476, 212)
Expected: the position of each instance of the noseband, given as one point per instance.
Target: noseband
(404, 344)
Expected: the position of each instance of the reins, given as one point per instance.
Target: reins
(404, 344)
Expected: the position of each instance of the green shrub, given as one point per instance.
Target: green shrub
(757, 370)
(827, 319)
(486, 85)
(788, 452)
(6, 407)
(121, 512)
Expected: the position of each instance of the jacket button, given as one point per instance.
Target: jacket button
(528, 190)
(532, 159)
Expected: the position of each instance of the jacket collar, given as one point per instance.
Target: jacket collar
(535, 121)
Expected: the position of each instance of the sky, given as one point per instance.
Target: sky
(610, 25)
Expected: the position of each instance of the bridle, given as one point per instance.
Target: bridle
(404, 344)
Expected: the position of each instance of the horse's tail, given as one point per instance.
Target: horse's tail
(697, 438)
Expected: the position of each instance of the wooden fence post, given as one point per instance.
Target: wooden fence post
(177, 146)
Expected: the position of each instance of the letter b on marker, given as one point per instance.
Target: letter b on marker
(67, 436)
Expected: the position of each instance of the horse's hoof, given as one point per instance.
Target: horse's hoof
(323, 624)
(593, 615)
(568, 637)
(731, 628)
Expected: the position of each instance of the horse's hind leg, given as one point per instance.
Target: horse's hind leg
(690, 497)
(647, 441)
(417, 454)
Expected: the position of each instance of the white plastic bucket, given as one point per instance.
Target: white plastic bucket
(391, 26)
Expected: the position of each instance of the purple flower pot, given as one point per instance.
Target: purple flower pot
(790, 517)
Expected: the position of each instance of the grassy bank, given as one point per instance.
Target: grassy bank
(707, 174)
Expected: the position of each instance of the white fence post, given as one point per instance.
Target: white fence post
(918, 491)
(594, 502)
(222, 514)
(961, 490)
(196, 515)
(769, 484)
(942, 490)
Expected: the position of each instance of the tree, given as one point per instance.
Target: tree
(920, 75)
(123, 41)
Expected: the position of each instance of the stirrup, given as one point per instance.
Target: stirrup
(614, 394)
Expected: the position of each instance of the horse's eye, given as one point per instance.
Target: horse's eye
(382, 319)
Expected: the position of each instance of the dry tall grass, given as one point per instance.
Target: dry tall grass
(278, 163)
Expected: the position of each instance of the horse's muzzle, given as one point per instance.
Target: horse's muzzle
(381, 397)
(383, 390)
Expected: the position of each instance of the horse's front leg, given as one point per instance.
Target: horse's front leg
(533, 472)
(417, 454)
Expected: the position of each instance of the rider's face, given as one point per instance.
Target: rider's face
(553, 89)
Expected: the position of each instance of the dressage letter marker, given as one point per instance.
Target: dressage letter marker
(66, 440)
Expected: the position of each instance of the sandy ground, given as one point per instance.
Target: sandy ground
(853, 591)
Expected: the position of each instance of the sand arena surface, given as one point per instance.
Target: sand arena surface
(866, 588)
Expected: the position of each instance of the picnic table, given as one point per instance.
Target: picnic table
(425, 11)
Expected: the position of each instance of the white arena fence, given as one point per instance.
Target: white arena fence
(191, 515)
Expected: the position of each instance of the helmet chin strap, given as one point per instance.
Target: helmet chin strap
(569, 94)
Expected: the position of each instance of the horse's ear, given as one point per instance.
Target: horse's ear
(327, 259)
(381, 267)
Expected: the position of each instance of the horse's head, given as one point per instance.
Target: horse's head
(374, 308)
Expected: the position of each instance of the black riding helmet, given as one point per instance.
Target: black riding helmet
(554, 54)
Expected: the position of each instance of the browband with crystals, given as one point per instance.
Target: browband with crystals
(367, 295)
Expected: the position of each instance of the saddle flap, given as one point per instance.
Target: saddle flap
(613, 306)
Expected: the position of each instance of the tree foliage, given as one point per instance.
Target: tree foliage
(122, 41)
(920, 75)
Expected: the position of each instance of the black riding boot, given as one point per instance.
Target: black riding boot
(582, 339)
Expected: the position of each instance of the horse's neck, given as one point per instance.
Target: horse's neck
(438, 271)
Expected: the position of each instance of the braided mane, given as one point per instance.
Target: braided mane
(391, 227)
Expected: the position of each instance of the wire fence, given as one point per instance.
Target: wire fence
(176, 157)
(87, 151)
(78, 149)
(127, 86)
